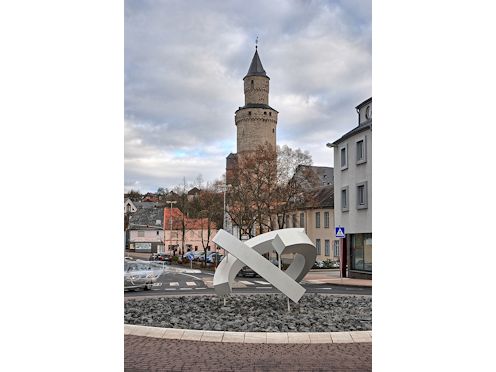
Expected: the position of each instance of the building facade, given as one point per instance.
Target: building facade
(317, 218)
(353, 192)
(197, 233)
(145, 230)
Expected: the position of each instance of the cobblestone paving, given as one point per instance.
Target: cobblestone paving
(152, 354)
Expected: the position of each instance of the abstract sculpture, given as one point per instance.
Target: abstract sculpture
(249, 253)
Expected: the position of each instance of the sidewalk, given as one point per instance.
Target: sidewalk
(156, 354)
(332, 277)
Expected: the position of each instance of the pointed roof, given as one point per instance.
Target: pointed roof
(256, 67)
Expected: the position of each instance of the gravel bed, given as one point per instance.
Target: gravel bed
(253, 313)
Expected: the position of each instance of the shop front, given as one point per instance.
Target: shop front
(360, 255)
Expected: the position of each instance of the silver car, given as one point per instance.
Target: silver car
(139, 275)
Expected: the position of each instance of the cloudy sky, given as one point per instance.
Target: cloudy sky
(184, 65)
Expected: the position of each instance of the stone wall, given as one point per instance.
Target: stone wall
(255, 127)
(256, 89)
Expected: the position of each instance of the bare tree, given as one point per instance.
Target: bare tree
(264, 188)
(211, 212)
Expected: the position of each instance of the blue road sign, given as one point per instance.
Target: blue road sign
(340, 232)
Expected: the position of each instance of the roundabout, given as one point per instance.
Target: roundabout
(253, 313)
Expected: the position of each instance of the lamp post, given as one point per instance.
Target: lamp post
(171, 202)
(224, 221)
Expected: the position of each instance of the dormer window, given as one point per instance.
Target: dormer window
(368, 112)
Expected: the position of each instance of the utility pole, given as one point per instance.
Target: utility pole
(171, 202)
(224, 222)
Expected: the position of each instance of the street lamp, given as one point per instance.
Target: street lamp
(224, 222)
(171, 202)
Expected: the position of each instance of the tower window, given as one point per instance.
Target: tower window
(265, 112)
(252, 84)
(270, 113)
(273, 130)
(249, 112)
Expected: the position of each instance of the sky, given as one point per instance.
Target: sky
(184, 63)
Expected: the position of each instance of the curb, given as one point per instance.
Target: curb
(249, 337)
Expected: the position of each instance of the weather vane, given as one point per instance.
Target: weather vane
(256, 42)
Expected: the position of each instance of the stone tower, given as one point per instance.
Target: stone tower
(256, 121)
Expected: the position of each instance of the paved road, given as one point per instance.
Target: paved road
(152, 354)
(195, 283)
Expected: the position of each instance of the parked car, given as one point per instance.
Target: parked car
(318, 265)
(139, 275)
(246, 271)
(201, 258)
(160, 257)
(215, 257)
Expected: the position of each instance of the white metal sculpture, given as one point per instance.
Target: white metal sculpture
(249, 253)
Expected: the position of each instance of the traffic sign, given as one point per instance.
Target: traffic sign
(340, 232)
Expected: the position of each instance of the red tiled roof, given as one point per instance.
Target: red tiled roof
(177, 221)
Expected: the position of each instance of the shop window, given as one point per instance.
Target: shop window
(361, 252)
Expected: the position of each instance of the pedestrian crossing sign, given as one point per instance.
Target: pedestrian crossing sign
(340, 232)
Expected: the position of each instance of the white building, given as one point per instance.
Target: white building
(353, 192)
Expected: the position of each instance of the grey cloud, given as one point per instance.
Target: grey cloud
(184, 64)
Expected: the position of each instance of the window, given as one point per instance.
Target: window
(294, 220)
(141, 234)
(302, 219)
(327, 247)
(326, 220)
(362, 202)
(270, 113)
(252, 84)
(336, 248)
(317, 220)
(265, 112)
(344, 199)
(344, 157)
(157, 232)
(273, 130)
(361, 151)
(317, 245)
(361, 252)
(249, 113)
